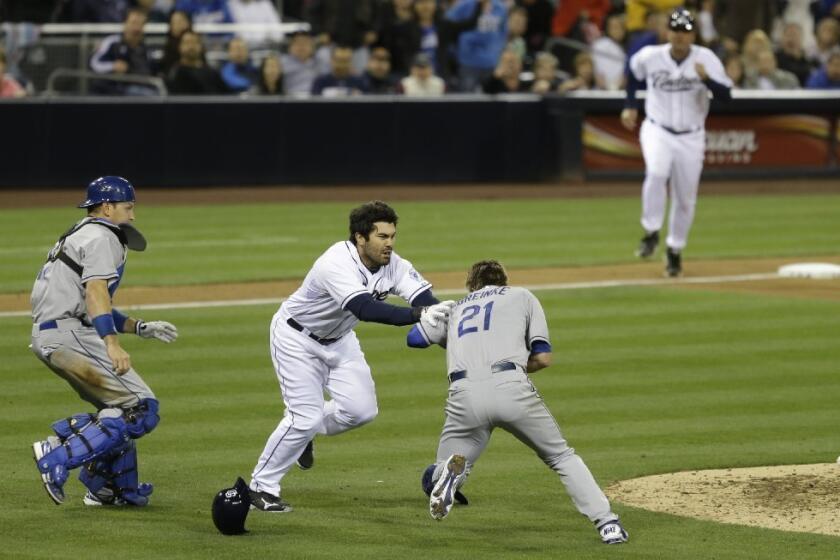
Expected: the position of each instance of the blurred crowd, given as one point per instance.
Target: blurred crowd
(434, 47)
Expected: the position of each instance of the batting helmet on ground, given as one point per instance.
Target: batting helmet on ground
(230, 508)
(108, 189)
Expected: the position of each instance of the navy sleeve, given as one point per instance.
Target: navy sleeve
(540, 347)
(425, 298)
(371, 310)
(719, 91)
(415, 338)
(633, 85)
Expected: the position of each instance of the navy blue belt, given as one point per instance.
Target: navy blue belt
(48, 325)
(672, 130)
(298, 327)
(497, 368)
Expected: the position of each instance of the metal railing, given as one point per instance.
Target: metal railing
(86, 76)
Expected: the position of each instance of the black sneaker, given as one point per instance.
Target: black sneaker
(264, 501)
(648, 244)
(673, 266)
(307, 458)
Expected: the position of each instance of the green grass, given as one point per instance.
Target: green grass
(222, 243)
(645, 381)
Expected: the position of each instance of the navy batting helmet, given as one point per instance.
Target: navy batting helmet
(230, 508)
(108, 189)
(682, 20)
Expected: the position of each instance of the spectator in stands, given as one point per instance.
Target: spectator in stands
(179, 22)
(654, 33)
(736, 18)
(540, 14)
(828, 37)
(271, 76)
(546, 77)
(608, 54)
(517, 24)
(422, 81)
(395, 28)
(300, 66)
(479, 49)
(9, 87)
(192, 75)
(580, 19)
(346, 23)
(378, 73)
(767, 75)
(99, 11)
(829, 8)
(123, 54)
(639, 14)
(206, 11)
(340, 81)
(506, 77)
(584, 77)
(755, 43)
(791, 54)
(827, 77)
(256, 11)
(238, 72)
(734, 67)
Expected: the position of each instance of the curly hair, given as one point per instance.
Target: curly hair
(486, 273)
(363, 218)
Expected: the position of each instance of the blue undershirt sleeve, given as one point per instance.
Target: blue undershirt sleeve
(425, 299)
(719, 91)
(540, 347)
(633, 85)
(371, 310)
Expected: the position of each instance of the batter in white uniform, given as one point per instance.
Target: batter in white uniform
(679, 76)
(315, 350)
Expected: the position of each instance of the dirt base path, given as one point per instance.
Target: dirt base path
(800, 498)
(642, 271)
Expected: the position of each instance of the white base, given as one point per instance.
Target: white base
(810, 270)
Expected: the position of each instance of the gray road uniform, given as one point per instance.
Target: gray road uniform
(62, 335)
(490, 335)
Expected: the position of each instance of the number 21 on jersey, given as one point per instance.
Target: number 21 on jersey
(470, 320)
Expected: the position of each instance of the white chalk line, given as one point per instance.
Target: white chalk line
(532, 287)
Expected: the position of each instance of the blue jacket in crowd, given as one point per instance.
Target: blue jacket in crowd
(481, 47)
(206, 11)
(819, 80)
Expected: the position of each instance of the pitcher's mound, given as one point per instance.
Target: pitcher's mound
(802, 498)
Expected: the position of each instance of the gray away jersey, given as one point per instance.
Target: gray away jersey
(494, 324)
(59, 292)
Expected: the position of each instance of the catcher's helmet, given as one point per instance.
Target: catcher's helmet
(230, 508)
(682, 20)
(108, 189)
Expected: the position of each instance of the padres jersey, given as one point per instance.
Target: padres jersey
(59, 292)
(337, 277)
(491, 325)
(676, 96)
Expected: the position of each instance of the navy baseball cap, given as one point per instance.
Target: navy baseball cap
(682, 20)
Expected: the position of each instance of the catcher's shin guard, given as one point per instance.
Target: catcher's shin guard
(84, 437)
(125, 477)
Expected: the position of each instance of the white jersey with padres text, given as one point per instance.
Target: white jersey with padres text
(676, 96)
(337, 277)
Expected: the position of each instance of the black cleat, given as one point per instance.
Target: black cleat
(648, 244)
(264, 501)
(461, 499)
(307, 458)
(673, 263)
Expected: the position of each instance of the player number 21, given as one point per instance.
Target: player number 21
(470, 313)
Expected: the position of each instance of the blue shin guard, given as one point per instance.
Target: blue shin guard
(84, 437)
(125, 477)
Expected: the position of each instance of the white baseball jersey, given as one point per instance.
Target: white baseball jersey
(676, 96)
(337, 277)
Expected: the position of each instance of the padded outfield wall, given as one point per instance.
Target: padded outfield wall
(471, 139)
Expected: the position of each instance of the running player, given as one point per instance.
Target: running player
(494, 337)
(315, 350)
(679, 76)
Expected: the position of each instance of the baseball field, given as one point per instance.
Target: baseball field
(728, 367)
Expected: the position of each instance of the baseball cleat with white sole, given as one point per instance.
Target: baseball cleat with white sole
(270, 503)
(54, 490)
(443, 494)
(613, 533)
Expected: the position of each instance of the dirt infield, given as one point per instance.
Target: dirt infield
(800, 498)
(786, 287)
